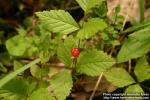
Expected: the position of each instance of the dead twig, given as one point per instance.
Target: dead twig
(96, 86)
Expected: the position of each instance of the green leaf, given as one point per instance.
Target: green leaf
(119, 77)
(5, 59)
(10, 76)
(2, 68)
(16, 89)
(135, 46)
(91, 27)
(17, 45)
(61, 84)
(45, 70)
(58, 21)
(41, 94)
(134, 89)
(35, 71)
(32, 85)
(38, 72)
(64, 49)
(17, 65)
(101, 10)
(47, 47)
(94, 62)
(21, 31)
(142, 70)
(86, 5)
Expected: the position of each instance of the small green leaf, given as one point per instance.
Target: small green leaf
(135, 46)
(91, 27)
(94, 62)
(41, 94)
(64, 51)
(58, 21)
(17, 65)
(86, 5)
(134, 89)
(101, 10)
(119, 77)
(35, 71)
(61, 84)
(17, 45)
(21, 31)
(142, 70)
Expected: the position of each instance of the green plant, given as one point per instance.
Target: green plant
(56, 34)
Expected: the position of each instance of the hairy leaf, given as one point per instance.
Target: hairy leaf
(142, 70)
(135, 46)
(86, 5)
(58, 21)
(91, 27)
(119, 77)
(61, 84)
(94, 62)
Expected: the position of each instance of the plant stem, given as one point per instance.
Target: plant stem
(10, 76)
(135, 28)
(127, 15)
(129, 69)
(142, 9)
(96, 86)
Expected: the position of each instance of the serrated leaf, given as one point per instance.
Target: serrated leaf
(134, 89)
(17, 45)
(58, 21)
(61, 84)
(86, 5)
(41, 94)
(91, 27)
(135, 46)
(64, 49)
(119, 77)
(94, 62)
(16, 89)
(142, 70)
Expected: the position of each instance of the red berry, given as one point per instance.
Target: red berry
(75, 52)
